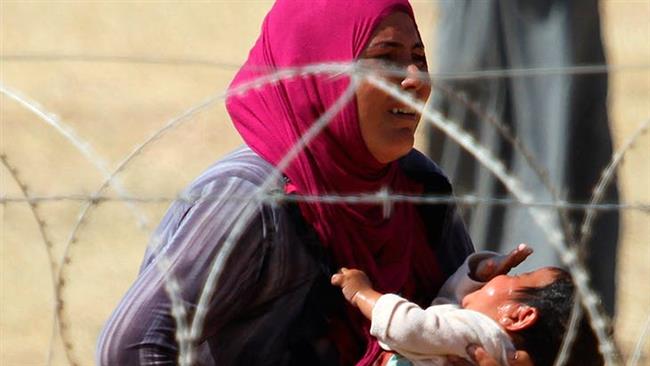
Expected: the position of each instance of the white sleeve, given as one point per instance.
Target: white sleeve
(461, 282)
(439, 330)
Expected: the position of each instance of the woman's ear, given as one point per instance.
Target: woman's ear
(518, 316)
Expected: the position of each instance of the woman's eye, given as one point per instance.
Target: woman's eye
(382, 56)
(390, 60)
(420, 60)
(386, 58)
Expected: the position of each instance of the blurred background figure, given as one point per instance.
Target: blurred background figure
(561, 117)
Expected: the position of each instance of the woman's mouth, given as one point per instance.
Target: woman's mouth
(405, 113)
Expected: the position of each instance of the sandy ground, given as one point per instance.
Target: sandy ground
(120, 92)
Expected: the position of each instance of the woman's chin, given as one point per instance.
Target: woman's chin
(396, 151)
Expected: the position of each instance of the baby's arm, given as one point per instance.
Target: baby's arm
(439, 330)
(357, 289)
(418, 333)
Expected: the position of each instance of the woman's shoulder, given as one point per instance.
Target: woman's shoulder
(242, 169)
(419, 167)
(242, 163)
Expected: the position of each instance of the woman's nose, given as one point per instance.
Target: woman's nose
(413, 79)
(416, 82)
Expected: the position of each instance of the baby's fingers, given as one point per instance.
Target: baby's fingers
(337, 279)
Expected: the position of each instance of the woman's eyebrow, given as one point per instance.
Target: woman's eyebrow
(395, 44)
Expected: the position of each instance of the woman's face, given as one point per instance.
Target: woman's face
(388, 126)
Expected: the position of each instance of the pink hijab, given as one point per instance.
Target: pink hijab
(392, 251)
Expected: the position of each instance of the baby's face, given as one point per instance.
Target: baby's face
(498, 294)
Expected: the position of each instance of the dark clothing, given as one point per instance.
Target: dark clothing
(560, 117)
(272, 303)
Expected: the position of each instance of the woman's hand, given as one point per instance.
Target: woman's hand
(352, 282)
(501, 264)
(482, 358)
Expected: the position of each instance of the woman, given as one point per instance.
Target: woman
(273, 304)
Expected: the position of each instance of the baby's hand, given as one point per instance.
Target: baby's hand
(501, 264)
(351, 281)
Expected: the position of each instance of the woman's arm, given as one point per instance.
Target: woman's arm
(142, 330)
(478, 269)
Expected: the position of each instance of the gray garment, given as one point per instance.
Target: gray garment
(561, 118)
(272, 304)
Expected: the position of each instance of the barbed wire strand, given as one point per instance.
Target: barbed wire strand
(93, 201)
(147, 60)
(605, 180)
(591, 214)
(600, 188)
(360, 198)
(174, 122)
(452, 75)
(71, 136)
(66, 259)
(638, 348)
(524, 72)
(179, 313)
(249, 210)
(207, 102)
(570, 333)
(516, 143)
(47, 243)
(556, 238)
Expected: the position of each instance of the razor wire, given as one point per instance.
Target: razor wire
(202, 62)
(187, 333)
(360, 198)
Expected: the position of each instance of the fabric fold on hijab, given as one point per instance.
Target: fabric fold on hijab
(271, 119)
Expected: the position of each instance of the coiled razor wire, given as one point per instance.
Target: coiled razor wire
(360, 198)
(47, 243)
(187, 333)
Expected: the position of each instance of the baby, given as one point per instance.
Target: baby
(478, 305)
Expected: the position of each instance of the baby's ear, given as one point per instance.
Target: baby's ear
(517, 317)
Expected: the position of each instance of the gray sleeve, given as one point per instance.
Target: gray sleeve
(141, 330)
(455, 243)
(461, 282)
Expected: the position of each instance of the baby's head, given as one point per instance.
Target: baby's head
(534, 308)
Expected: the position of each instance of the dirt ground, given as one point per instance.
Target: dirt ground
(115, 72)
